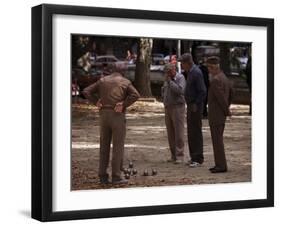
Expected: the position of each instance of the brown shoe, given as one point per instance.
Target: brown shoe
(171, 160)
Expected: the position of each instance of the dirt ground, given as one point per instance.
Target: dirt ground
(146, 146)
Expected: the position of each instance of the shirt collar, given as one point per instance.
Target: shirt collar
(193, 66)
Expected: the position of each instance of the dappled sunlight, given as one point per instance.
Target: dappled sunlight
(146, 144)
(87, 145)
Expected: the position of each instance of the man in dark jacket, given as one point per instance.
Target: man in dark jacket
(195, 93)
(204, 69)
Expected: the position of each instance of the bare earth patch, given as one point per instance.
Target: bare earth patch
(146, 146)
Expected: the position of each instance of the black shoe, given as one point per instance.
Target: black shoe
(212, 168)
(119, 182)
(104, 181)
(218, 170)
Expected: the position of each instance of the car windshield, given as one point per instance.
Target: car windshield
(106, 59)
(157, 55)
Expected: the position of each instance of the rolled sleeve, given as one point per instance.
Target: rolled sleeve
(91, 92)
(177, 87)
(132, 95)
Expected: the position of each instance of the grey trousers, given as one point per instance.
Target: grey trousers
(194, 134)
(112, 128)
(174, 119)
(218, 145)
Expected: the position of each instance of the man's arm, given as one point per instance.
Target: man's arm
(218, 92)
(163, 89)
(91, 91)
(177, 88)
(200, 87)
(132, 96)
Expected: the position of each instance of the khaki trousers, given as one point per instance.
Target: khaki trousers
(174, 119)
(112, 127)
(218, 145)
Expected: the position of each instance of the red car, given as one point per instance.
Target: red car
(82, 79)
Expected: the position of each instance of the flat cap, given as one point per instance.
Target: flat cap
(213, 60)
(169, 67)
(186, 57)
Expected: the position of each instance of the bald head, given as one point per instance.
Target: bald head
(120, 68)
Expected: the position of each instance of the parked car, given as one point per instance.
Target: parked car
(75, 89)
(107, 60)
(158, 59)
(82, 79)
(243, 62)
(170, 59)
(239, 57)
(202, 52)
(156, 67)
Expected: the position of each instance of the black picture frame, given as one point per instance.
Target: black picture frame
(42, 107)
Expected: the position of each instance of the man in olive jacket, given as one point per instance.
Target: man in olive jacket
(115, 94)
(219, 100)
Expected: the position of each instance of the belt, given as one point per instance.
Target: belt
(174, 105)
(107, 107)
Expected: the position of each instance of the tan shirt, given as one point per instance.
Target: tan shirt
(111, 90)
(219, 99)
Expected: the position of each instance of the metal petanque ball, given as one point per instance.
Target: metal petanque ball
(154, 172)
(135, 171)
(131, 165)
(127, 176)
(126, 171)
(145, 173)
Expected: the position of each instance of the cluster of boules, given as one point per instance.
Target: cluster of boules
(130, 171)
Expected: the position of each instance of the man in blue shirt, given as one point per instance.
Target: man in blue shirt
(195, 94)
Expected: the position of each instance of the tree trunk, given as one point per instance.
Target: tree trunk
(142, 73)
(225, 57)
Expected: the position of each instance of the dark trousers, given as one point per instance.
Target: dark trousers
(194, 134)
(112, 127)
(218, 145)
(205, 108)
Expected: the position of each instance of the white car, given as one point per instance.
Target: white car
(243, 62)
(105, 60)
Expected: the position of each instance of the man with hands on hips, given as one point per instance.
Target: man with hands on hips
(112, 94)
